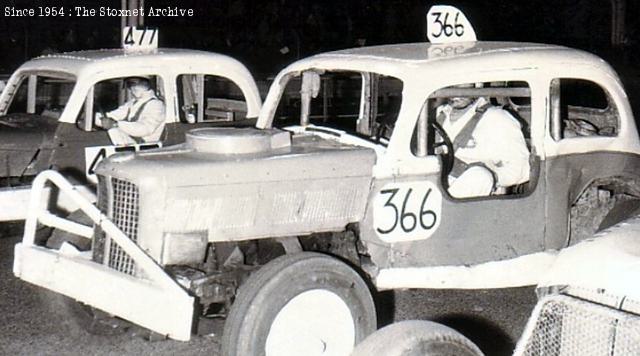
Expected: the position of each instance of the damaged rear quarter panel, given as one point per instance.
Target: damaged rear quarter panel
(569, 175)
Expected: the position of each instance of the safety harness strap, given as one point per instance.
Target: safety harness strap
(464, 136)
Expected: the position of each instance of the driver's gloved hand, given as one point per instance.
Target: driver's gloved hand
(108, 123)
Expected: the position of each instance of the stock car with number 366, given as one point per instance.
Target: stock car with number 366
(279, 226)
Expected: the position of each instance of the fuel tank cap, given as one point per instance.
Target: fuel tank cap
(232, 140)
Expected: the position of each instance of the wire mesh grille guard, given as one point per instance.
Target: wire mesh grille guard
(124, 214)
(118, 199)
(569, 326)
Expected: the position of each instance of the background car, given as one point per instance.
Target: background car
(48, 107)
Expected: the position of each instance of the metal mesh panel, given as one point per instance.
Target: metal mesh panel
(124, 214)
(569, 326)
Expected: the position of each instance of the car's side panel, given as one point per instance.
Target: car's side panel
(66, 151)
(471, 231)
(22, 138)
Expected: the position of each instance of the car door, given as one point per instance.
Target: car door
(416, 221)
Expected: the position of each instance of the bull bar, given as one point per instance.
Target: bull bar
(156, 302)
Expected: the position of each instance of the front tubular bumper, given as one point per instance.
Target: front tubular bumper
(14, 201)
(157, 302)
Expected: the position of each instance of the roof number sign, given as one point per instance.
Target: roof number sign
(139, 39)
(447, 24)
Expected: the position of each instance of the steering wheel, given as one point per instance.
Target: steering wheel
(448, 158)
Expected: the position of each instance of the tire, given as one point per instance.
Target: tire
(272, 315)
(416, 338)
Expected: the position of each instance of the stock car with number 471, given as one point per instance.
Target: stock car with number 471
(248, 222)
(48, 106)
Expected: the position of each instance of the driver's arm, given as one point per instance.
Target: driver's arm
(121, 112)
(151, 118)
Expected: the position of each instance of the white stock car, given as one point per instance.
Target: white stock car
(48, 105)
(352, 169)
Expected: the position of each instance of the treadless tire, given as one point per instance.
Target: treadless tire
(303, 304)
(416, 338)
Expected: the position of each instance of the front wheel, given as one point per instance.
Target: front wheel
(302, 304)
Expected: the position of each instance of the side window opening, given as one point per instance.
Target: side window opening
(108, 95)
(481, 131)
(581, 108)
(364, 105)
(207, 98)
(42, 95)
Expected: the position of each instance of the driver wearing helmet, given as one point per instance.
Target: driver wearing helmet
(489, 148)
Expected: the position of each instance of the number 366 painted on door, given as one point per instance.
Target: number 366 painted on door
(407, 211)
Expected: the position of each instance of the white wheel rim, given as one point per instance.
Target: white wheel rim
(315, 322)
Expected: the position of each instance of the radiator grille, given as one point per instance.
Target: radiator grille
(569, 326)
(119, 200)
(124, 214)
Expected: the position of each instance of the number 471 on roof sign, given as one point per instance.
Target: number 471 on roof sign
(447, 24)
(139, 39)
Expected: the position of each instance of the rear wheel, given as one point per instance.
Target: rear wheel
(302, 304)
(416, 338)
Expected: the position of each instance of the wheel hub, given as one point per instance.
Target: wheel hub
(315, 322)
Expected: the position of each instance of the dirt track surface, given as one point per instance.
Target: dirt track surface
(492, 319)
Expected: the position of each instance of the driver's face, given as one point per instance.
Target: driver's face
(137, 91)
(460, 102)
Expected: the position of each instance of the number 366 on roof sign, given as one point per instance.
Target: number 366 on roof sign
(446, 24)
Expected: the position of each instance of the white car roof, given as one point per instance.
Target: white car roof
(98, 60)
(407, 60)
(96, 65)
(417, 64)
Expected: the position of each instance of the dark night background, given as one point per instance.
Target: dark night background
(255, 31)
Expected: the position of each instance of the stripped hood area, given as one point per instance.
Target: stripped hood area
(234, 155)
